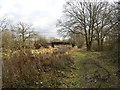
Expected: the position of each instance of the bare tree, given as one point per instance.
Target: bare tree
(3, 24)
(6, 34)
(82, 18)
(24, 32)
(105, 23)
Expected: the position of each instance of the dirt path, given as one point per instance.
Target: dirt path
(88, 72)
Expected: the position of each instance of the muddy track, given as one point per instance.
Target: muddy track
(97, 76)
(96, 64)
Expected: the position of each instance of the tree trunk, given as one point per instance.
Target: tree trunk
(89, 48)
(101, 45)
(98, 44)
(98, 41)
(88, 45)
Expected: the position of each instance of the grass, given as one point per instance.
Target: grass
(76, 69)
(82, 75)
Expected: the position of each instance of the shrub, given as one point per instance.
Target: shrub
(25, 70)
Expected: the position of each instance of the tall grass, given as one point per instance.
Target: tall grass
(25, 70)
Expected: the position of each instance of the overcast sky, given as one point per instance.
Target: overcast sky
(43, 14)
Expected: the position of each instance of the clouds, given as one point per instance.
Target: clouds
(42, 13)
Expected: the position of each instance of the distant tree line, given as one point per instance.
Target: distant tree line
(19, 36)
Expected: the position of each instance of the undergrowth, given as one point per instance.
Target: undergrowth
(25, 70)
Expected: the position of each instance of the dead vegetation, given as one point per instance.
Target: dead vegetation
(24, 69)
